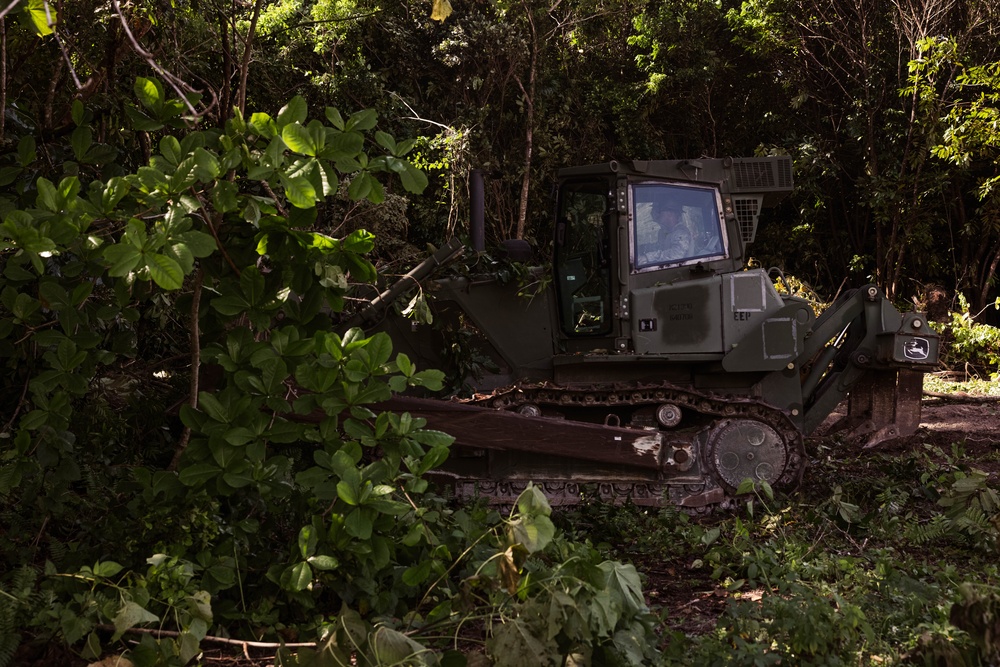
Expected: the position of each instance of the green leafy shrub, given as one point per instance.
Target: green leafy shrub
(198, 436)
(969, 345)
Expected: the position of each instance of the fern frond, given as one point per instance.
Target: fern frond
(8, 646)
(934, 529)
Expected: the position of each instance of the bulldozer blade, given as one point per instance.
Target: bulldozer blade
(883, 405)
(485, 428)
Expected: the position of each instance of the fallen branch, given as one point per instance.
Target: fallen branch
(173, 634)
(961, 397)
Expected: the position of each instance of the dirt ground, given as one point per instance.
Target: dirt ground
(972, 421)
(976, 421)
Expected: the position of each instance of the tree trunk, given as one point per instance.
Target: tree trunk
(241, 96)
(529, 98)
(3, 76)
(226, 87)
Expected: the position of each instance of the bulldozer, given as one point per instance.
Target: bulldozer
(646, 362)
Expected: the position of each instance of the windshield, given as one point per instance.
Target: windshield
(675, 224)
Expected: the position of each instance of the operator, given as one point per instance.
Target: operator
(675, 239)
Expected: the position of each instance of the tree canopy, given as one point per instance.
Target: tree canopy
(859, 92)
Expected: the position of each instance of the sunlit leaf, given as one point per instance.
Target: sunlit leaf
(297, 577)
(298, 139)
(293, 112)
(441, 10)
(42, 16)
(165, 271)
(150, 94)
(299, 191)
(362, 120)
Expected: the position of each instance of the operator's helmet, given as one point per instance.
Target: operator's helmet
(666, 204)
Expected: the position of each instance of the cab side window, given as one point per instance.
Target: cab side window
(583, 268)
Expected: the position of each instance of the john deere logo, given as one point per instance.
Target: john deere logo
(916, 349)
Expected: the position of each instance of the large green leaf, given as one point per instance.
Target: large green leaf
(359, 524)
(273, 375)
(199, 243)
(359, 241)
(211, 405)
(413, 179)
(198, 474)
(184, 176)
(514, 643)
(112, 193)
(344, 146)
(335, 118)
(182, 255)
(41, 15)
(123, 258)
(165, 271)
(263, 125)
(623, 582)
(297, 577)
(150, 94)
(298, 139)
(324, 562)
(81, 140)
(348, 492)
(224, 196)
(391, 647)
(206, 165)
(46, 195)
(223, 453)
(362, 120)
(299, 191)
(360, 186)
(170, 148)
(386, 141)
(130, 615)
(308, 539)
(253, 284)
(141, 121)
(293, 112)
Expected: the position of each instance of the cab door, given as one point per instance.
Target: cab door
(583, 268)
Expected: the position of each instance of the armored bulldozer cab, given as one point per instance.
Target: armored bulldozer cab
(640, 251)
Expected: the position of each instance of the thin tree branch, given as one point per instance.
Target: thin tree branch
(62, 47)
(199, 277)
(529, 99)
(277, 202)
(178, 84)
(9, 8)
(241, 93)
(17, 410)
(215, 233)
(306, 24)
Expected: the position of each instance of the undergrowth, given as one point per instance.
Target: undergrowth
(882, 559)
(969, 346)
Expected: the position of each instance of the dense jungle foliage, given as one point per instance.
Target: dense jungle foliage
(189, 183)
